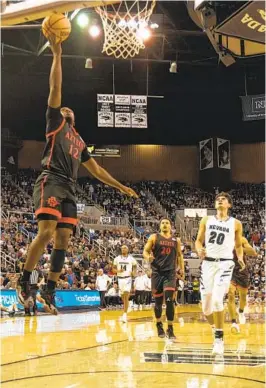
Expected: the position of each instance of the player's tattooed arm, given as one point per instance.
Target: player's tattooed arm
(239, 243)
(102, 175)
(248, 250)
(180, 258)
(201, 251)
(54, 99)
(147, 251)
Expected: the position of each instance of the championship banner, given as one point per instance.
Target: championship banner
(110, 151)
(122, 111)
(253, 107)
(139, 112)
(247, 23)
(206, 154)
(105, 108)
(223, 152)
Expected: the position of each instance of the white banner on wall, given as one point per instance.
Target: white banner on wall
(223, 152)
(206, 154)
(139, 112)
(122, 111)
(193, 213)
(105, 108)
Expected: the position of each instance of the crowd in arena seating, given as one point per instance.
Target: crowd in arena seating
(87, 253)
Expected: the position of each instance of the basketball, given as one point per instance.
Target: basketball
(57, 25)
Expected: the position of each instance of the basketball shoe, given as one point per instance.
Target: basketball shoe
(218, 346)
(49, 299)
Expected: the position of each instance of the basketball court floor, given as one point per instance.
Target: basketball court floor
(95, 349)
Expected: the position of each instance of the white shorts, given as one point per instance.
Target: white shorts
(124, 285)
(216, 275)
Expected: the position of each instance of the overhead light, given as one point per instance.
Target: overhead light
(88, 63)
(144, 33)
(153, 26)
(94, 31)
(122, 23)
(83, 20)
(173, 67)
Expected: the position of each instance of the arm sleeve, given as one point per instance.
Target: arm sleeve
(53, 119)
(85, 155)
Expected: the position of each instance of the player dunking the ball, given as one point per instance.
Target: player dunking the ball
(164, 253)
(221, 234)
(54, 190)
(240, 282)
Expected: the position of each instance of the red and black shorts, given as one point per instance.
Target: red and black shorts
(240, 279)
(55, 199)
(162, 281)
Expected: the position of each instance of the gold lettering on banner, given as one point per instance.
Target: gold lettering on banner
(254, 24)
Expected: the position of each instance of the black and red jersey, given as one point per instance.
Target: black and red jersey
(165, 253)
(65, 150)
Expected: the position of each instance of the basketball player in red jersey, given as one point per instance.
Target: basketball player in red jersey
(240, 282)
(54, 191)
(164, 253)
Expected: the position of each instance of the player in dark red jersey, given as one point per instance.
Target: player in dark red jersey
(54, 191)
(164, 252)
(240, 282)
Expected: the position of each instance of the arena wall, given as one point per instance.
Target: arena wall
(156, 162)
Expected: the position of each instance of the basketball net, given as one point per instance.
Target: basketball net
(123, 25)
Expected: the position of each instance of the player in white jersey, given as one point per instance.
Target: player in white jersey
(125, 266)
(221, 235)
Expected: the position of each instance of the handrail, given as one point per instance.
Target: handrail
(8, 260)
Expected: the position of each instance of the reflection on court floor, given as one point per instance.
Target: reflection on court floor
(86, 348)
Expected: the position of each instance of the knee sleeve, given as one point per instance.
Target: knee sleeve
(170, 309)
(207, 307)
(158, 309)
(57, 260)
(218, 302)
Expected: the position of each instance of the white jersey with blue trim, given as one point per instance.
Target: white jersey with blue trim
(220, 238)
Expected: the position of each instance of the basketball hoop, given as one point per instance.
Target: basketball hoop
(124, 24)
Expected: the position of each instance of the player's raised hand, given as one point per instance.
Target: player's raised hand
(242, 265)
(128, 191)
(202, 253)
(54, 46)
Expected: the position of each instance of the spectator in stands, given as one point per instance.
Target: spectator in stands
(195, 294)
(102, 283)
(112, 296)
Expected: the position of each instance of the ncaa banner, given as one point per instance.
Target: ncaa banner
(122, 111)
(105, 109)
(223, 152)
(206, 154)
(139, 112)
(247, 23)
(253, 107)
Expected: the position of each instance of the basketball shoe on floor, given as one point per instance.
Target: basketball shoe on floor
(235, 329)
(49, 299)
(124, 318)
(170, 333)
(160, 330)
(23, 292)
(218, 347)
(242, 318)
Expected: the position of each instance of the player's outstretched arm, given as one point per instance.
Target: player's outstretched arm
(102, 175)
(248, 250)
(239, 244)
(180, 258)
(147, 251)
(54, 100)
(201, 238)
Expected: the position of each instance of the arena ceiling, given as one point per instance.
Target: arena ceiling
(201, 100)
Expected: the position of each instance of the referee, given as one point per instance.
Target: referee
(35, 278)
